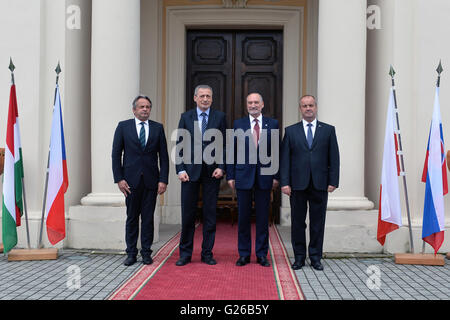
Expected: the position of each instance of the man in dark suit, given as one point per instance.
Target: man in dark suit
(250, 181)
(195, 171)
(137, 145)
(309, 171)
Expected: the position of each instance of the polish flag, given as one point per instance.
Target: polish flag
(389, 212)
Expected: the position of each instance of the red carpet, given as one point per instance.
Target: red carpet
(225, 281)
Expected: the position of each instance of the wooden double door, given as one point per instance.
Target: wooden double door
(235, 63)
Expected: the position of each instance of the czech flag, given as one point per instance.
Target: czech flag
(435, 177)
(58, 180)
(389, 212)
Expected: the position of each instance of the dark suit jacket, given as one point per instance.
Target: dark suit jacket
(299, 163)
(216, 120)
(245, 174)
(135, 161)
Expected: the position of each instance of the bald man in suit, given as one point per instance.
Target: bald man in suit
(309, 171)
(251, 183)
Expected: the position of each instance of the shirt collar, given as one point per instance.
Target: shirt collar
(314, 123)
(199, 112)
(138, 122)
(253, 118)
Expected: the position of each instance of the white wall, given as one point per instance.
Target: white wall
(20, 26)
(412, 39)
(34, 34)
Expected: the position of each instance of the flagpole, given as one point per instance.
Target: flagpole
(43, 206)
(12, 67)
(438, 84)
(402, 163)
(58, 71)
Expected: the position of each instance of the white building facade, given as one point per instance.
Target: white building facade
(112, 50)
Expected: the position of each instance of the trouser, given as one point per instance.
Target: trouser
(317, 202)
(189, 199)
(140, 203)
(262, 203)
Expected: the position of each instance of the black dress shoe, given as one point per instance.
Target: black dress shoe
(263, 261)
(317, 265)
(147, 260)
(183, 261)
(297, 265)
(242, 261)
(209, 260)
(130, 260)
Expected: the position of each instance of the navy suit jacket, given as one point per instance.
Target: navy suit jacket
(299, 163)
(245, 173)
(129, 161)
(216, 120)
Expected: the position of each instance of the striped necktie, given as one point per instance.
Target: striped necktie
(142, 135)
(204, 123)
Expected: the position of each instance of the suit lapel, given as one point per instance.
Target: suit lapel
(194, 115)
(247, 124)
(211, 119)
(317, 134)
(133, 132)
(264, 124)
(151, 133)
(266, 135)
(301, 128)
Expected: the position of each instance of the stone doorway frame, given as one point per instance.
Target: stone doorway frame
(177, 19)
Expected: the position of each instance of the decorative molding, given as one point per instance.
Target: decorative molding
(179, 19)
(234, 3)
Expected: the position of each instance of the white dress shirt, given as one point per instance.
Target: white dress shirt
(313, 127)
(252, 122)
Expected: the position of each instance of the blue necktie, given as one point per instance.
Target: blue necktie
(204, 123)
(142, 135)
(309, 136)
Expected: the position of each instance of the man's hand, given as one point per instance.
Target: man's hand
(275, 184)
(331, 188)
(183, 176)
(232, 184)
(124, 187)
(162, 188)
(286, 190)
(218, 173)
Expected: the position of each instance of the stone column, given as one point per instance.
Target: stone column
(341, 93)
(115, 82)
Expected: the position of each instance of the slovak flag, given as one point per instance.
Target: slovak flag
(389, 212)
(435, 177)
(58, 180)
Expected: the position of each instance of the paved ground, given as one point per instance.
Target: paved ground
(91, 275)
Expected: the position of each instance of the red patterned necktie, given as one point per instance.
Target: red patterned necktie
(256, 132)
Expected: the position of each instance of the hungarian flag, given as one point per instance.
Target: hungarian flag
(435, 177)
(389, 212)
(12, 177)
(57, 177)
